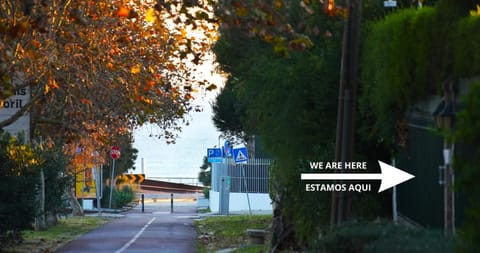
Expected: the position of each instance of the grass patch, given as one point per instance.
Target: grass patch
(204, 210)
(56, 236)
(220, 232)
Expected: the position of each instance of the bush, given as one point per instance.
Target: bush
(120, 198)
(466, 166)
(123, 197)
(364, 237)
(17, 189)
(206, 192)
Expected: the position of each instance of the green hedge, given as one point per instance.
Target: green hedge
(405, 59)
(367, 237)
(407, 56)
(467, 171)
(397, 65)
(466, 46)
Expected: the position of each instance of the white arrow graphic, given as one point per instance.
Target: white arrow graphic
(389, 176)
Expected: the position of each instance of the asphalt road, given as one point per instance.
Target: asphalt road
(155, 230)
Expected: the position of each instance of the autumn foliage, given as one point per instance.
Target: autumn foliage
(287, 25)
(97, 69)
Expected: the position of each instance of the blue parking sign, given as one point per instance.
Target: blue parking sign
(214, 155)
(214, 152)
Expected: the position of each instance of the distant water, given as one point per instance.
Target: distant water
(182, 159)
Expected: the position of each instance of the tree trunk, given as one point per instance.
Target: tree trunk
(283, 237)
(77, 208)
(40, 223)
(51, 219)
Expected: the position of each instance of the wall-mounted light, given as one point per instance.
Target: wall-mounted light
(444, 115)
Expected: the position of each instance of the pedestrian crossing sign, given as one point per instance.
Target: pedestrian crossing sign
(240, 155)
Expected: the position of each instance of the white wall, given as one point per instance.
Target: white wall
(214, 201)
(239, 202)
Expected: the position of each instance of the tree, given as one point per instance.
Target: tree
(205, 175)
(98, 69)
(289, 96)
(228, 112)
(91, 69)
(289, 103)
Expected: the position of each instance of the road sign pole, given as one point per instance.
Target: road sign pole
(115, 154)
(101, 181)
(98, 188)
(83, 187)
(246, 189)
(112, 183)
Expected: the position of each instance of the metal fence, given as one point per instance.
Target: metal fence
(252, 177)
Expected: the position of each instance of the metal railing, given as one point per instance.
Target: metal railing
(252, 177)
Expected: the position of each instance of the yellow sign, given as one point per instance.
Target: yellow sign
(85, 184)
(131, 178)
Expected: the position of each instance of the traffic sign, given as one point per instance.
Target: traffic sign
(132, 178)
(214, 152)
(115, 152)
(389, 4)
(240, 155)
(214, 155)
(227, 149)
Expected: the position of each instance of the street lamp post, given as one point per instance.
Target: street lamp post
(444, 117)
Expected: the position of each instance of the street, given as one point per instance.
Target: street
(155, 230)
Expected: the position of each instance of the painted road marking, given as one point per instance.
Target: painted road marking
(135, 237)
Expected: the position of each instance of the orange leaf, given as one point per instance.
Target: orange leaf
(148, 101)
(171, 67)
(123, 12)
(52, 84)
(135, 69)
(85, 101)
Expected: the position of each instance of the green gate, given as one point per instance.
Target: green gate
(421, 199)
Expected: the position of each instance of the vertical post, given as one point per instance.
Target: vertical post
(83, 187)
(449, 199)
(98, 188)
(448, 146)
(171, 202)
(394, 199)
(340, 209)
(143, 203)
(246, 189)
(112, 183)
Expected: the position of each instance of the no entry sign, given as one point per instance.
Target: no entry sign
(115, 152)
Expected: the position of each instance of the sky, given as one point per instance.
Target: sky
(184, 158)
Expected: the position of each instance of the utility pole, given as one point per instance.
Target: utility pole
(344, 143)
